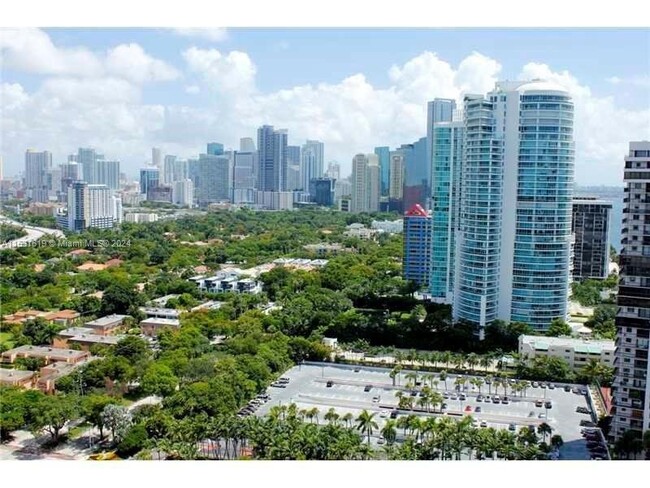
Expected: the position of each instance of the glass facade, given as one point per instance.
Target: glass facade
(383, 153)
(447, 154)
(515, 223)
(417, 174)
(417, 246)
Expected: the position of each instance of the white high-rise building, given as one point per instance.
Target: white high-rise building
(37, 167)
(365, 183)
(108, 173)
(246, 144)
(514, 238)
(312, 161)
(374, 182)
(333, 170)
(102, 207)
(157, 158)
(183, 193)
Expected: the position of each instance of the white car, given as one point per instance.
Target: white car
(383, 414)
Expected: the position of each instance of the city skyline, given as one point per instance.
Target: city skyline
(134, 89)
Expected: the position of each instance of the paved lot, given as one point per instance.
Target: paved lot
(307, 388)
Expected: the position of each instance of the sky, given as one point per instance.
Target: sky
(126, 90)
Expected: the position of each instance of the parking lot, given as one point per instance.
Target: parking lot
(307, 388)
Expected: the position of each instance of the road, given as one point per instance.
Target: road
(25, 446)
(33, 233)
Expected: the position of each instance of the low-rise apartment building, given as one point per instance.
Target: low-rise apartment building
(576, 352)
(152, 326)
(48, 354)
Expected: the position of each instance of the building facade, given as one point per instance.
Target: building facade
(108, 173)
(213, 179)
(312, 161)
(417, 246)
(631, 404)
(396, 172)
(37, 166)
(576, 352)
(515, 225)
(590, 226)
(78, 206)
(417, 174)
(149, 178)
(272, 159)
(446, 141)
(321, 191)
(383, 153)
(365, 183)
(183, 193)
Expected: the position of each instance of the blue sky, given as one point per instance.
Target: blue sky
(608, 68)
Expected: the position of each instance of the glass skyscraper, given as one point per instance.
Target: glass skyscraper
(515, 221)
(446, 141)
(417, 174)
(383, 153)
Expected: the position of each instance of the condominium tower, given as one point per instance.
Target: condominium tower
(631, 405)
(515, 219)
(590, 226)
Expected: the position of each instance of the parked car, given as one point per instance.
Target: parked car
(383, 414)
(496, 399)
(548, 404)
(414, 393)
(505, 400)
(567, 388)
(381, 440)
(453, 396)
(551, 386)
(479, 398)
(539, 403)
(375, 399)
(478, 409)
(468, 408)
(462, 396)
(541, 415)
(535, 384)
(393, 414)
(543, 385)
(356, 370)
(367, 388)
(483, 423)
(443, 406)
(512, 427)
(329, 384)
(445, 395)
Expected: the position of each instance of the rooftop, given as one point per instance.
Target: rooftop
(587, 346)
(159, 321)
(106, 321)
(97, 339)
(12, 375)
(49, 352)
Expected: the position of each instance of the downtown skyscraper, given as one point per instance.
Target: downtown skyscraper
(514, 238)
(37, 166)
(272, 159)
(631, 405)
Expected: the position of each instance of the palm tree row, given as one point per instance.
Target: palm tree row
(469, 362)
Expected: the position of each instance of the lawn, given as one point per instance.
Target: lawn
(6, 340)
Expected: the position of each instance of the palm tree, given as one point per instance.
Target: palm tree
(412, 378)
(443, 377)
(488, 380)
(447, 357)
(459, 361)
(366, 423)
(435, 399)
(389, 432)
(477, 382)
(312, 414)
(472, 361)
(331, 416)
(434, 383)
(544, 429)
(485, 362)
(399, 357)
(347, 418)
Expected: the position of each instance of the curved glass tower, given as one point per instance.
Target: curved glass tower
(515, 225)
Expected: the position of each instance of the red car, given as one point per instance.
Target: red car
(468, 408)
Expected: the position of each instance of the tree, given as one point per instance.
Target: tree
(134, 441)
(53, 413)
(545, 430)
(132, 348)
(559, 328)
(12, 411)
(557, 441)
(40, 331)
(93, 406)
(366, 423)
(389, 432)
(120, 298)
(158, 379)
(118, 420)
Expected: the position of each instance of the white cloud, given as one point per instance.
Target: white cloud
(352, 115)
(602, 129)
(639, 81)
(218, 34)
(31, 50)
(134, 64)
(231, 73)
